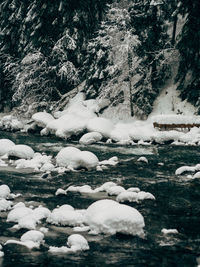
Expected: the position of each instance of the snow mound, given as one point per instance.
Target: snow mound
(4, 191)
(26, 217)
(5, 205)
(101, 125)
(80, 189)
(112, 161)
(38, 162)
(169, 231)
(17, 213)
(21, 151)
(143, 159)
(72, 157)
(42, 118)
(115, 190)
(90, 138)
(31, 239)
(128, 196)
(197, 175)
(110, 217)
(66, 216)
(33, 235)
(10, 122)
(5, 146)
(183, 169)
(75, 242)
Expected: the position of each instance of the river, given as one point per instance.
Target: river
(177, 206)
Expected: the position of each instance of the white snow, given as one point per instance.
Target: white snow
(38, 162)
(183, 169)
(74, 158)
(66, 216)
(133, 196)
(115, 190)
(197, 175)
(4, 191)
(75, 243)
(80, 189)
(110, 217)
(30, 239)
(21, 151)
(101, 125)
(176, 119)
(5, 205)
(42, 118)
(143, 159)
(26, 217)
(169, 231)
(90, 138)
(5, 146)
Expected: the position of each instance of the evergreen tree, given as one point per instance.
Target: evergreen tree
(148, 22)
(189, 48)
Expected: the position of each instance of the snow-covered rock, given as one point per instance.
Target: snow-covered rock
(77, 242)
(197, 175)
(101, 125)
(169, 231)
(143, 159)
(21, 151)
(110, 217)
(115, 190)
(90, 138)
(80, 189)
(5, 205)
(33, 235)
(112, 161)
(4, 191)
(38, 162)
(30, 239)
(42, 118)
(17, 213)
(65, 216)
(183, 169)
(5, 146)
(72, 157)
(127, 196)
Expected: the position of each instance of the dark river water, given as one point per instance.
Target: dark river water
(177, 206)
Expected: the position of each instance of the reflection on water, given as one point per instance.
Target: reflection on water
(176, 207)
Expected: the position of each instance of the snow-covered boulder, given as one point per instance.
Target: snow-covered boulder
(115, 190)
(169, 231)
(21, 151)
(143, 159)
(101, 125)
(127, 197)
(90, 138)
(110, 217)
(71, 125)
(5, 146)
(42, 118)
(65, 215)
(17, 213)
(33, 235)
(72, 157)
(4, 191)
(5, 205)
(77, 242)
(68, 156)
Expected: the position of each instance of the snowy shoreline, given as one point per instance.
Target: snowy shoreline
(81, 121)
